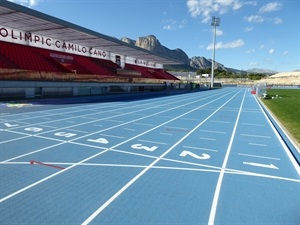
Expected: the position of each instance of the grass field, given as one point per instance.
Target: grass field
(285, 105)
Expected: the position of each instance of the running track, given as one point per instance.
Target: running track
(208, 157)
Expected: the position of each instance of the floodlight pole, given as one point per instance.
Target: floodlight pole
(215, 23)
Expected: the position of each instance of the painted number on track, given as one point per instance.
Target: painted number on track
(142, 147)
(202, 156)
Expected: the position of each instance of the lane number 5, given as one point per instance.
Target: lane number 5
(140, 146)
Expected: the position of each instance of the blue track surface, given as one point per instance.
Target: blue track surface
(208, 157)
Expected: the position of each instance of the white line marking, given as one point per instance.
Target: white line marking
(213, 131)
(144, 124)
(80, 131)
(208, 139)
(191, 119)
(154, 142)
(97, 125)
(216, 121)
(48, 126)
(166, 134)
(4, 114)
(269, 166)
(253, 124)
(213, 210)
(258, 136)
(108, 135)
(179, 128)
(71, 121)
(257, 144)
(129, 129)
(258, 156)
(116, 121)
(205, 149)
(166, 117)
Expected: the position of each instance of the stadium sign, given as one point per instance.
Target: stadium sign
(35, 40)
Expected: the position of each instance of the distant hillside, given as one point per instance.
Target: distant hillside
(264, 71)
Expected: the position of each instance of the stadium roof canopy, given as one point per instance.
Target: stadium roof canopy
(31, 21)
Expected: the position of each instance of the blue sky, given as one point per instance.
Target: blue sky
(252, 34)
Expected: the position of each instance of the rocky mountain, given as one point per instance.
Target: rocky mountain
(151, 43)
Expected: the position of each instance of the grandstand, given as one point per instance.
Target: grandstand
(45, 51)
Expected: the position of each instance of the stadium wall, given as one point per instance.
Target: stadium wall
(10, 90)
(35, 40)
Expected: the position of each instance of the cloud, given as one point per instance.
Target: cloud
(219, 32)
(250, 51)
(277, 20)
(271, 51)
(270, 7)
(248, 29)
(172, 24)
(235, 44)
(254, 64)
(254, 19)
(28, 3)
(285, 52)
(205, 8)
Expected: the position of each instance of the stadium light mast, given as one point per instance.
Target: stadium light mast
(215, 23)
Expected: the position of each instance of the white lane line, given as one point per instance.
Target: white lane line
(113, 136)
(115, 121)
(79, 131)
(254, 124)
(208, 139)
(258, 156)
(48, 126)
(213, 210)
(179, 128)
(153, 142)
(258, 144)
(269, 166)
(97, 125)
(165, 117)
(214, 131)
(191, 119)
(205, 149)
(130, 129)
(168, 134)
(252, 135)
(144, 124)
(219, 121)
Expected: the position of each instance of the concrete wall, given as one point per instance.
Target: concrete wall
(39, 89)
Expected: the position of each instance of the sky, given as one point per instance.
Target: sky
(252, 34)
